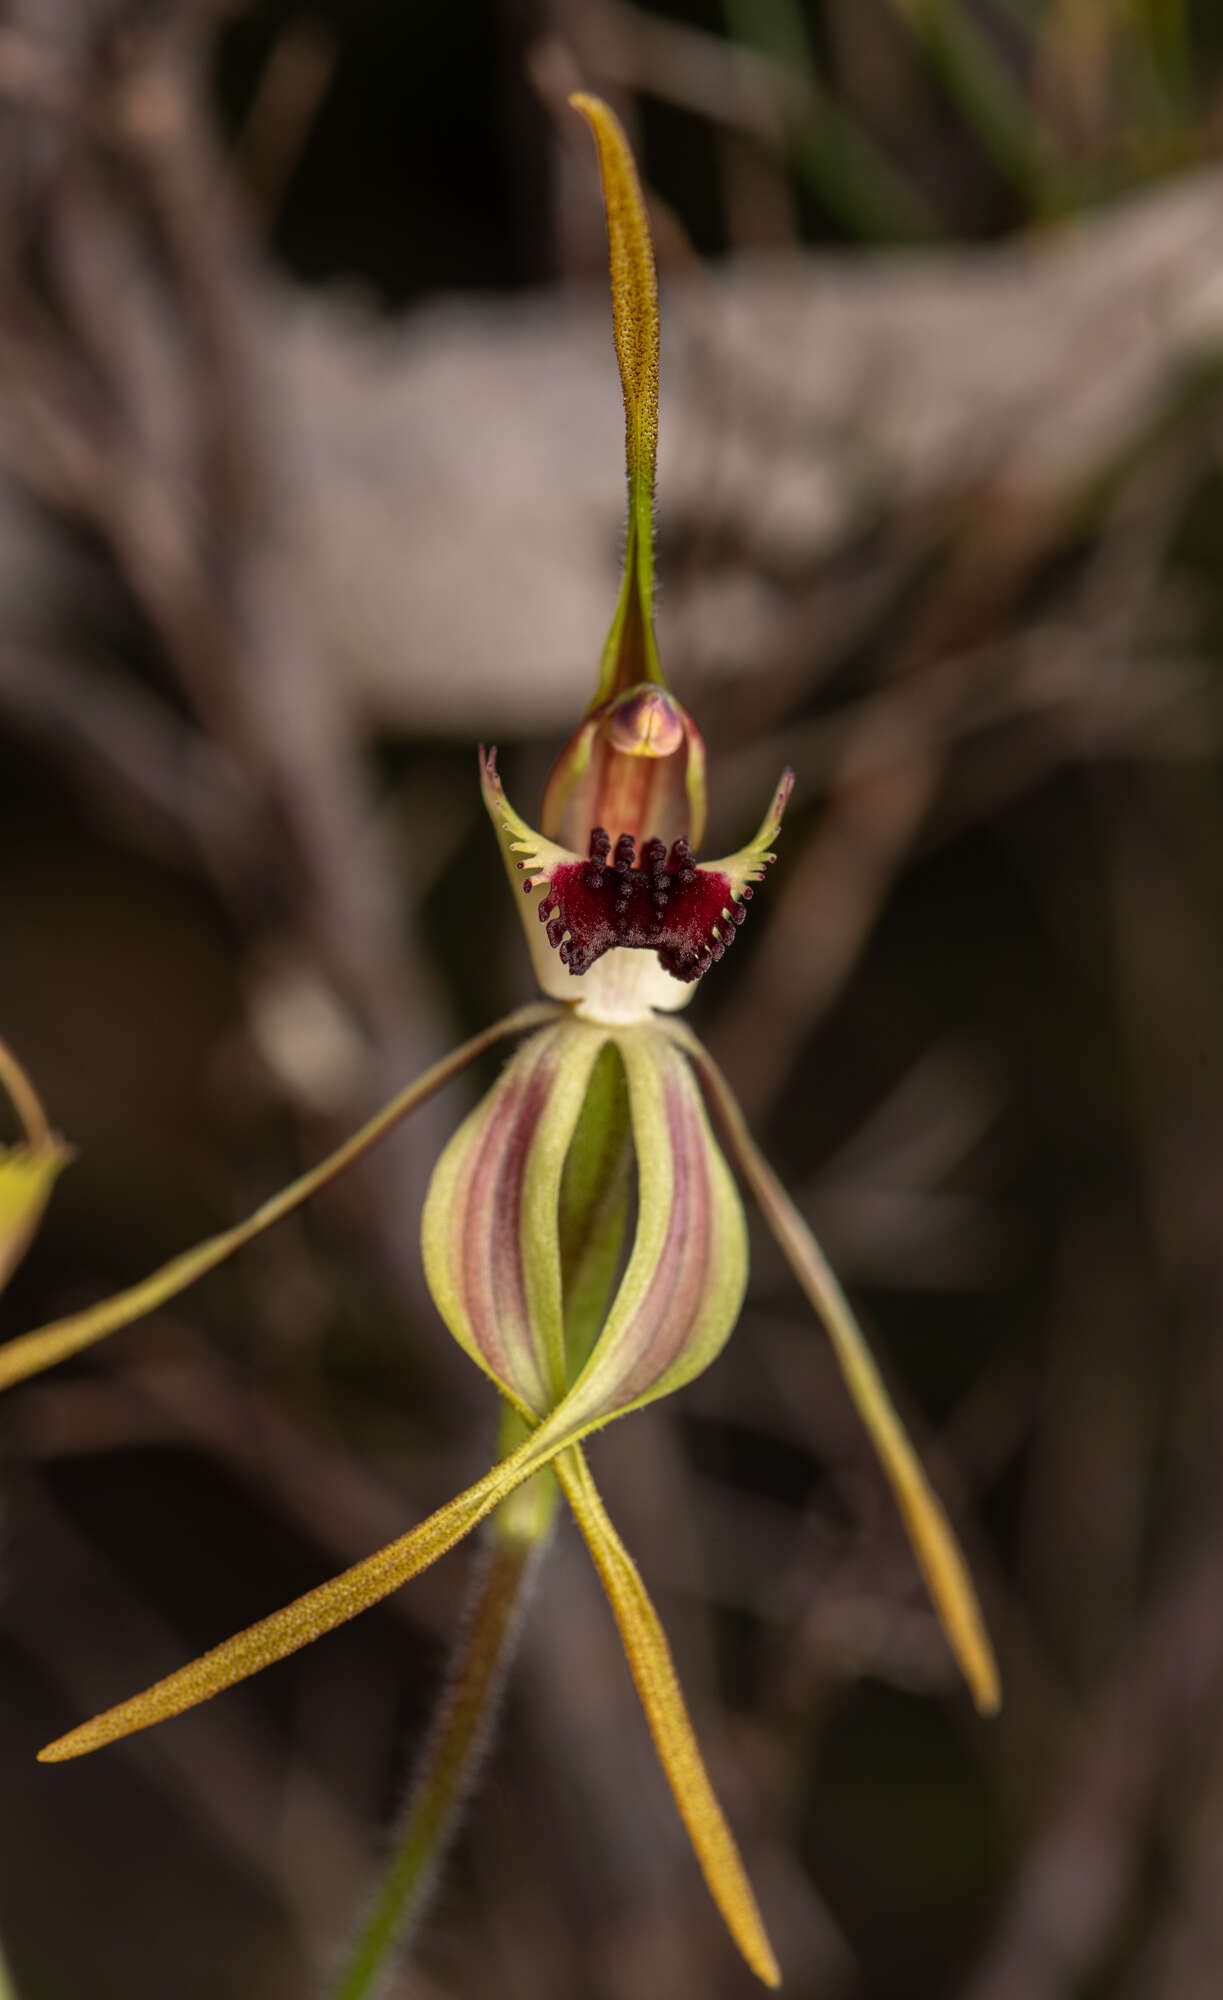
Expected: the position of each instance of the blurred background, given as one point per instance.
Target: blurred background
(310, 476)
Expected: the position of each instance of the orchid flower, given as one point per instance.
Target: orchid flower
(583, 1237)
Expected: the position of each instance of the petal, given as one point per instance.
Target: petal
(673, 1310)
(595, 1200)
(683, 1287)
(624, 986)
(49, 1344)
(929, 1530)
(653, 1670)
(490, 1230)
(332, 1603)
(750, 863)
(530, 862)
(705, 913)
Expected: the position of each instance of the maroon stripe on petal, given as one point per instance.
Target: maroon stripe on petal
(470, 1260)
(671, 1306)
(508, 1195)
(486, 1248)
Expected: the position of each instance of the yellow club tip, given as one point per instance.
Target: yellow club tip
(987, 1692)
(58, 1752)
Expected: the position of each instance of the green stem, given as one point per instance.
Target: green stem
(976, 77)
(592, 1220)
(518, 1531)
(829, 149)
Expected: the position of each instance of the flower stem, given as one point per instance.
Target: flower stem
(518, 1531)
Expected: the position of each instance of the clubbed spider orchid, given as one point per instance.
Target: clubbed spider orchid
(583, 1237)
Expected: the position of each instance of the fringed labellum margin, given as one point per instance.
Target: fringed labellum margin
(683, 912)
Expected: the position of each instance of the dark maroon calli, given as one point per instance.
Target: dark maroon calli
(664, 903)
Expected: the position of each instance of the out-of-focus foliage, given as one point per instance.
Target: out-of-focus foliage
(872, 121)
(940, 508)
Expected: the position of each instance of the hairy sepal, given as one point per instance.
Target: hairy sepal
(46, 1345)
(653, 1671)
(672, 1312)
(930, 1532)
(630, 653)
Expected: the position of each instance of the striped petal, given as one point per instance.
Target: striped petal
(597, 1189)
(490, 1233)
(494, 1258)
(683, 1286)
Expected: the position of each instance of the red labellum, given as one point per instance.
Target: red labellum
(664, 903)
